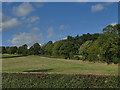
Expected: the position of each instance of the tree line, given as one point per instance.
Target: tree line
(104, 47)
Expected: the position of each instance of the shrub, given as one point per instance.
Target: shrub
(28, 80)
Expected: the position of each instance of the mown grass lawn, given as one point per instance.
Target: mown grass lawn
(55, 65)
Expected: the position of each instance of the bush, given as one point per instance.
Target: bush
(116, 60)
(27, 80)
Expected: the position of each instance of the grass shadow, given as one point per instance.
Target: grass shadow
(43, 70)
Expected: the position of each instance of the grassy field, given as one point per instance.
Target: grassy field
(55, 65)
(44, 72)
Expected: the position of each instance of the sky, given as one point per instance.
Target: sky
(28, 23)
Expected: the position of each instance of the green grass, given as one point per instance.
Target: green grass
(8, 55)
(55, 65)
(44, 72)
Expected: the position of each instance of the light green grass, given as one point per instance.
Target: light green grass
(8, 55)
(55, 65)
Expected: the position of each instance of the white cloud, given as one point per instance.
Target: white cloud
(23, 18)
(10, 23)
(61, 27)
(4, 17)
(100, 7)
(35, 29)
(114, 23)
(26, 38)
(32, 19)
(23, 9)
(64, 38)
(50, 33)
(97, 7)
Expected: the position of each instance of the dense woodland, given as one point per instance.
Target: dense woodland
(95, 47)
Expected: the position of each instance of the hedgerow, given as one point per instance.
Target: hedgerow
(41, 80)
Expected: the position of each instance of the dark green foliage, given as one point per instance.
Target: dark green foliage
(47, 48)
(79, 40)
(9, 50)
(56, 47)
(83, 49)
(94, 52)
(67, 49)
(70, 38)
(0, 50)
(3, 49)
(106, 47)
(18, 80)
(13, 50)
(109, 50)
(86, 37)
(35, 49)
(22, 50)
(117, 28)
